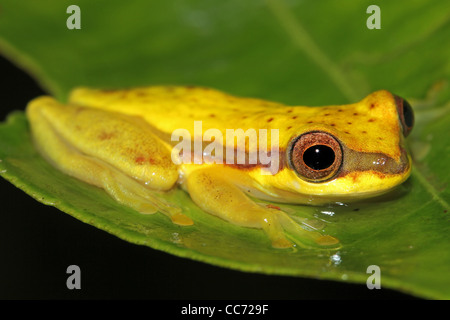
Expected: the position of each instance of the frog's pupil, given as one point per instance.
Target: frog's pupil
(319, 157)
(408, 114)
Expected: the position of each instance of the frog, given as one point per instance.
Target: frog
(121, 140)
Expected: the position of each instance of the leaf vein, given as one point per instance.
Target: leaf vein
(431, 189)
(303, 41)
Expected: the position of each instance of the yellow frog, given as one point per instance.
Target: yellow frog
(124, 141)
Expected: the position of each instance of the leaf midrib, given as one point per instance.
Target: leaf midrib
(432, 190)
(301, 39)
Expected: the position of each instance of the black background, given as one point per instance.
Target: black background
(38, 243)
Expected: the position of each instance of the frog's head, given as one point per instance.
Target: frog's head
(352, 151)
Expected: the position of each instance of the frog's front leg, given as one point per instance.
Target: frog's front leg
(107, 150)
(213, 192)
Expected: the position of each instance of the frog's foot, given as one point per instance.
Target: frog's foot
(303, 231)
(135, 195)
(305, 234)
(212, 191)
(280, 227)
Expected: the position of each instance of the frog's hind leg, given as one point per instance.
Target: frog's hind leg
(215, 194)
(122, 188)
(67, 157)
(133, 194)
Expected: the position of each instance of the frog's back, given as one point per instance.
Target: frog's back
(170, 107)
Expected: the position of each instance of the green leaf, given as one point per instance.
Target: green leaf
(295, 52)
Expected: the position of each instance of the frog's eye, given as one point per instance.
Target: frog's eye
(405, 114)
(316, 156)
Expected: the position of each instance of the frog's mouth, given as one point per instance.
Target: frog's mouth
(361, 175)
(376, 163)
(367, 175)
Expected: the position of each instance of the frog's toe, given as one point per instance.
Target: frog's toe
(146, 208)
(174, 213)
(306, 237)
(273, 229)
(153, 203)
(327, 241)
(181, 219)
(282, 243)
